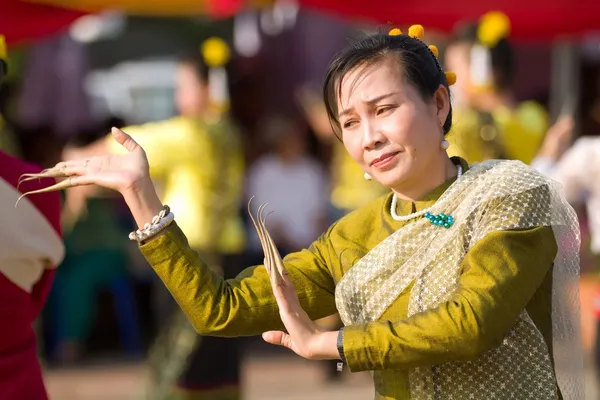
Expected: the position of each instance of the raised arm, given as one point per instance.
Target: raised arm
(244, 305)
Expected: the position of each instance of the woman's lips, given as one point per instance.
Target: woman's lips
(384, 161)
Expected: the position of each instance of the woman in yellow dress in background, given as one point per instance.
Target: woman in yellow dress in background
(460, 283)
(197, 162)
(488, 122)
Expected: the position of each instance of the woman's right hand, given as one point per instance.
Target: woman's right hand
(124, 173)
(127, 173)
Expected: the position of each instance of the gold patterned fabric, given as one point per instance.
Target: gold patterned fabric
(471, 298)
(490, 197)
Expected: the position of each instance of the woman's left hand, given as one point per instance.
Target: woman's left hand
(303, 336)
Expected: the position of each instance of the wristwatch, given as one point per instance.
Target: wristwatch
(340, 348)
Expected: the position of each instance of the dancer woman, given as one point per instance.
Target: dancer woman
(448, 286)
(490, 122)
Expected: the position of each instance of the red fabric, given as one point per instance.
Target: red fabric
(49, 204)
(531, 20)
(224, 8)
(21, 22)
(20, 372)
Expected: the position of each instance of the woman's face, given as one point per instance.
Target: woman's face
(191, 94)
(389, 129)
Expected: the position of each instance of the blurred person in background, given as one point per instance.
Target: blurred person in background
(95, 258)
(489, 122)
(31, 248)
(197, 161)
(577, 168)
(288, 176)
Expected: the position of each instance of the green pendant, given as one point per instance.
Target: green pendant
(442, 219)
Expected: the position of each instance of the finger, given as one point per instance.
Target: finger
(267, 265)
(259, 232)
(272, 253)
(124, 139)
(278, 338)
(55, 172)
(281, 297)
(56, 187)
(262, 233)
(61, 170)
(47, 173)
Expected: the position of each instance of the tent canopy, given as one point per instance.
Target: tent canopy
(539, 20)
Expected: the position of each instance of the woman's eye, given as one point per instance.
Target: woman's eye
(349, 124)
(383, 110)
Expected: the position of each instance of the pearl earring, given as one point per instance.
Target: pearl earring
(368, 176)
(445, 144)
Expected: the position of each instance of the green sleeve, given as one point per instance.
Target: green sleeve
(245, 305)
(500, 275)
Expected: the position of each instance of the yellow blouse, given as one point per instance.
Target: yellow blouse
(518, 135)
(198, 167)
(497, 282)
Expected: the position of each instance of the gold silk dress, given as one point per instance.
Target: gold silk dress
(502, 283)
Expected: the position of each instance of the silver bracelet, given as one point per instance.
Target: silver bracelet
(159, 222)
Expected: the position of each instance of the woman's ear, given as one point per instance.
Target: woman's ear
(441, 99)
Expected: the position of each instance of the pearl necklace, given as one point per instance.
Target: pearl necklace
(417, 214)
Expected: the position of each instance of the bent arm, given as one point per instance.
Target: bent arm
(500, 276)
(245, 305)
(572, 169)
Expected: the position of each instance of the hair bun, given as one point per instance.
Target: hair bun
(215, 52)
(493, 27)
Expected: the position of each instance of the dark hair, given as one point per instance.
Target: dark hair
(502, 55)
(419, 65)
(196, 61)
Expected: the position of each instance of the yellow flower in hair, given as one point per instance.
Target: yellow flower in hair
(395, 32)
(493, 27)
(215, 52)
(2, 48)
(416, 31)
(434, 50)
(450, 78)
